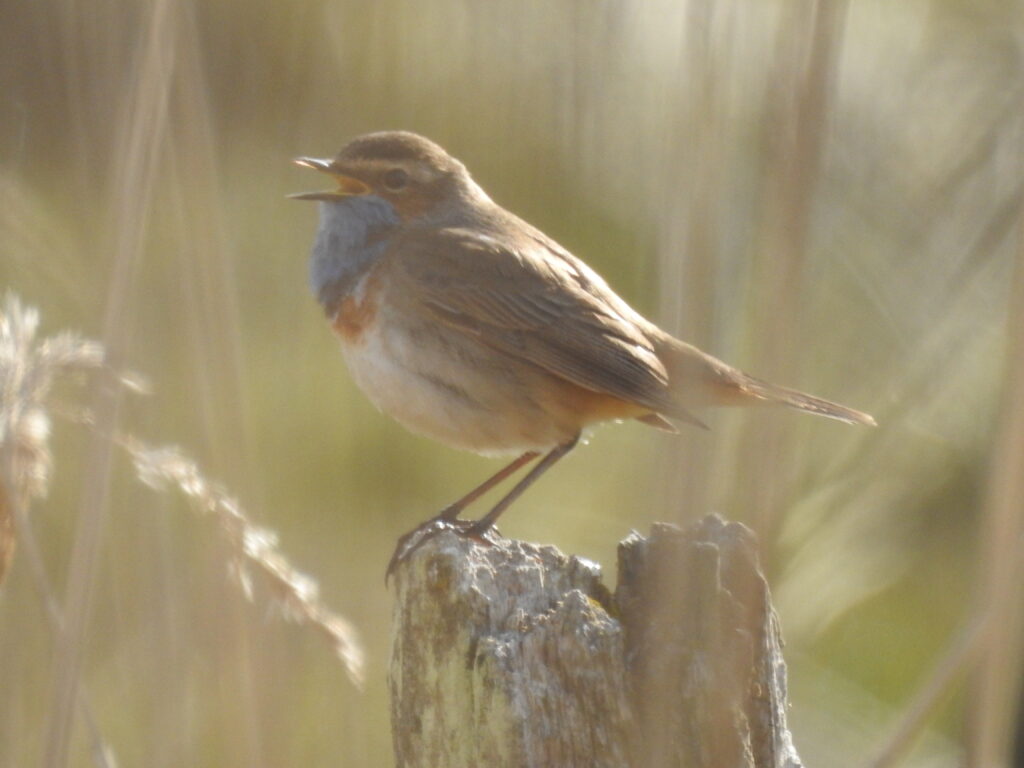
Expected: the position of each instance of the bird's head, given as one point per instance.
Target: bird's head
(413, 174)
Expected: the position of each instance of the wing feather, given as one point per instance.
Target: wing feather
(536, 303)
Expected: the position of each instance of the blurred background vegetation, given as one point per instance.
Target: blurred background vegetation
(826, 193)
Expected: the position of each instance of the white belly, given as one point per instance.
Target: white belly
(428, 391)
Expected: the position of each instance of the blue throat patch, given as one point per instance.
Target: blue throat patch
(352, 234)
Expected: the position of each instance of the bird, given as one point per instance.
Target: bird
(471, 327)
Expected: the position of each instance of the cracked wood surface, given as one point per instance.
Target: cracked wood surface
(516, 655)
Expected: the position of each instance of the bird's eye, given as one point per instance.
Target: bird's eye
(396, 179)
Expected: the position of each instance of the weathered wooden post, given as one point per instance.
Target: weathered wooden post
(516, 655)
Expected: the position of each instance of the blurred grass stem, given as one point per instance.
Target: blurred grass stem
(807, 51)
(102, 754)
(961, 654)
(687, 237)
(143, 125)
(996, 688)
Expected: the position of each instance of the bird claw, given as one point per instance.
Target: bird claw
(414, 539)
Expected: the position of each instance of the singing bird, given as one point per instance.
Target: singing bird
(470, 326)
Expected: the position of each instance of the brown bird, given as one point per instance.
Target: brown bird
(469, 326)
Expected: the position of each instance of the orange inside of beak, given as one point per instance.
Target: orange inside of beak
(347, 185)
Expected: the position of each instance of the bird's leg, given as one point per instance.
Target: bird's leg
(447, 517)
(485, 523)
(452, 511)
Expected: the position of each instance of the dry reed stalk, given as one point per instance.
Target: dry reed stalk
(810, 38)
(208, 286)
(7, 538)
(140, 130)
(692, 179)
(961, 654)
(996, 687)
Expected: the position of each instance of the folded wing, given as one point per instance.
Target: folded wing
(538, 304)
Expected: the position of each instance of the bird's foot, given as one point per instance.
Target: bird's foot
(444, 521)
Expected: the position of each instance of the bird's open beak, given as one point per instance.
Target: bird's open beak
(347, 186)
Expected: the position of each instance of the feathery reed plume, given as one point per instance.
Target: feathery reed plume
(254, 548)
(28, 370)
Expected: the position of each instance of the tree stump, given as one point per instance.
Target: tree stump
(515, 655)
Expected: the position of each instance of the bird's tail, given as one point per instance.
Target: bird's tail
(700, 379)
(801, 401)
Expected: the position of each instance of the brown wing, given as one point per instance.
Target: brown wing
(537, 304)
